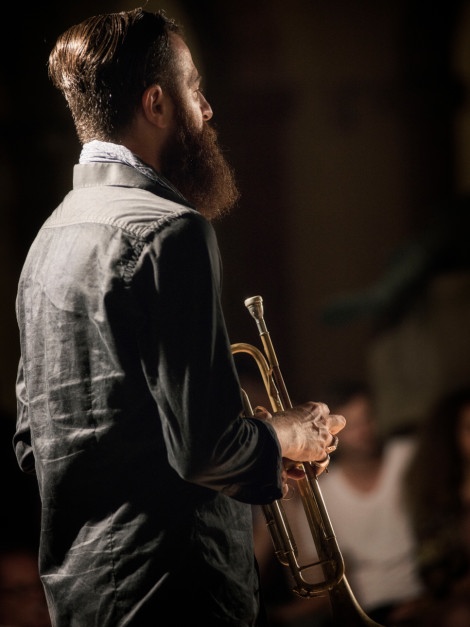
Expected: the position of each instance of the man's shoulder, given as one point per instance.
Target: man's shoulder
(119, 196)
(402, 442)
(400, 448)
(119, 176)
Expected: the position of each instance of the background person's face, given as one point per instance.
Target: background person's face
(360, 433)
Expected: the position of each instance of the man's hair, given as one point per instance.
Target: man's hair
(104, 64)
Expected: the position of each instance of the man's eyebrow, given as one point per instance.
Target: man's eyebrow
(196, 77)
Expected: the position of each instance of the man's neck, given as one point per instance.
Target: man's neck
(362, 472)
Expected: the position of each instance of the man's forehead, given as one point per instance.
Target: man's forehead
(184, 58)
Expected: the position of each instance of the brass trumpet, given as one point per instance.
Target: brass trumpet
(346, 611)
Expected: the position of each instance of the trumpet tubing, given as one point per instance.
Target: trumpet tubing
(346, 610)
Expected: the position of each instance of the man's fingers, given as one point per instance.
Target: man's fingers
(337, 423)
(332, 446)
(296, 473)
(262, 413)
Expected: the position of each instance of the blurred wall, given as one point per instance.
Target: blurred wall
(341, 119)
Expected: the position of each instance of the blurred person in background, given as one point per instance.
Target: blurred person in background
(363, 494)
(438, 493)
(22, 600)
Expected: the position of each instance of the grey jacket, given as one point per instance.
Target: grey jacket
(129, 413)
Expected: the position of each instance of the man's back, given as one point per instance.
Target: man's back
(97, 350)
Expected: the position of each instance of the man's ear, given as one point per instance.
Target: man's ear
(157, 106)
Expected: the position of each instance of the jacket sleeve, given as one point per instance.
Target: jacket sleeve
(191, 372)
(22, 436)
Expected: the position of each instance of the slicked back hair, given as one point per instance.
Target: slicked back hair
(104, 64)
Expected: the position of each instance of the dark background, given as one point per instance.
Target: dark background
(347, 123)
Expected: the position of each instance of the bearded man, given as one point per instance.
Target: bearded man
(129, 404)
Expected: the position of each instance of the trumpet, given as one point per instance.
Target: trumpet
(346, 611)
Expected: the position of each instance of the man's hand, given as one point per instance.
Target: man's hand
(306, 432)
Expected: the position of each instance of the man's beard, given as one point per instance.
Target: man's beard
(193, 162)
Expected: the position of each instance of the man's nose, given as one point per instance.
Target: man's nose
(207, 112)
